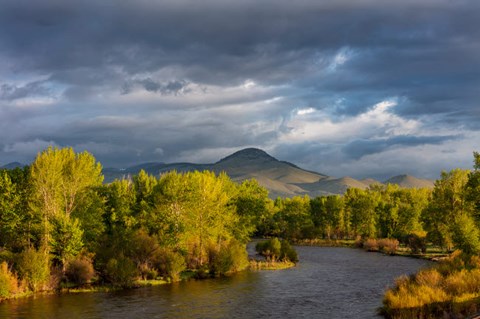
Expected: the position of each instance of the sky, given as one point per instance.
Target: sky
(357, 88)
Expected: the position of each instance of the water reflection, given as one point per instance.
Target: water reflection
(328, 283)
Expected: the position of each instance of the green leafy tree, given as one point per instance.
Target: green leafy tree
(252, 205)
(294, 218)
(90, 214)
(449, 200)
(328, 215)
(144, 185)
(170, 205)
(10, 217)
(473, 187)
(211, 218)
(466, 234)
(66, 240)
(59, 178)
(361, 206)
(33, 266)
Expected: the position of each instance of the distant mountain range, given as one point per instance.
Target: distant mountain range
(281, 178)
(12, 165)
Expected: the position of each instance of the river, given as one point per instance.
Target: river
(327, 283)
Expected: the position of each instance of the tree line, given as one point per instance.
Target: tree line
(447, 216)
(59, 222)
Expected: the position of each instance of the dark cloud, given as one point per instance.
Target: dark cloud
(125, 78)
(12, 92)
(359, 148)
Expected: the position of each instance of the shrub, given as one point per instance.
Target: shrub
(33, 266)
(6, 256)
(230, 257)
(449, 289)
(275, 249)
(417, 242)
(271, 248)
(388, 246)
(288, 253)
(150, 274)
(80, 270)
(370, 245)
(121, 271)
(429, 277)
(8, 281)
(170, 264)
(358, 242)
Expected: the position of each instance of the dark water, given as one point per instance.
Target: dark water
(328, 283)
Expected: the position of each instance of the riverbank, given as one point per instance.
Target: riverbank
(449, 289)
(322, 285)
(432, 253)
(254, 265)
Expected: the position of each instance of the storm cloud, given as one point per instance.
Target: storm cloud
(359, 88)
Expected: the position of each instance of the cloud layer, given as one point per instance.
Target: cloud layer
(355, 88)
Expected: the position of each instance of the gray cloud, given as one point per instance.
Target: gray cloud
(12, 92)
(124, 79)
(359, 148)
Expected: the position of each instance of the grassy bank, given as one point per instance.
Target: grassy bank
(449, 289)
(270, 265)
(432, 252)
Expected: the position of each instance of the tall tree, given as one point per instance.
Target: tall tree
(252, 204)
(449, 200)
(59, 178)
(361, 205)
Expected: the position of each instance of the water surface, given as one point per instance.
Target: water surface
(327, 283)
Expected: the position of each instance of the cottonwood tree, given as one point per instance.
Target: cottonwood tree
(448, 207)
(252, 206)
(59, 178)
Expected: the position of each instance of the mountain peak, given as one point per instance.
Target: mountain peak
(249, 154)
(12, 165)
(409, 181)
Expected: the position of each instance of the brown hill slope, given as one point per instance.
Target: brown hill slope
(408, 181)
(281, 178)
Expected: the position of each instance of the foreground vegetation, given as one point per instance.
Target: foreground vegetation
(60, 226)
(450, 289)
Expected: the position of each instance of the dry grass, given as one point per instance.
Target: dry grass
(449, 288)
(370, 245)
(270, 265)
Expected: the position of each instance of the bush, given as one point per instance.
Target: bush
(170, 264)
(388, 246)
(230, 257)
(288, 253)
(275, 249)
(80, 270)
(271, 248)
(370, 245)
(417, 242)
(33, 266)
(121, 271)
(8, 281)
(429, 277)
(6, 256)
(358, 242)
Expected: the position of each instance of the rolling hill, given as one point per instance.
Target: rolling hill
(408, 181)
(281, 178)
(12, 165)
